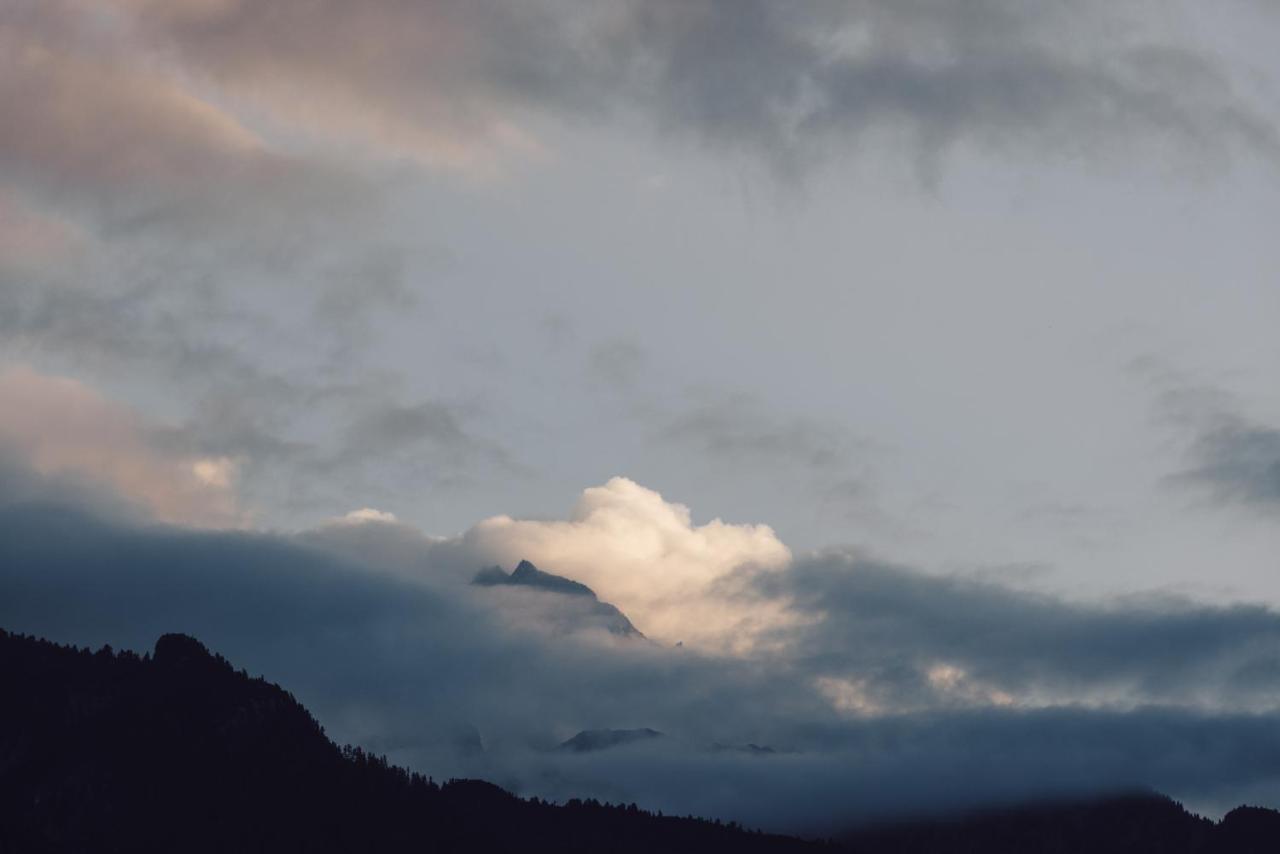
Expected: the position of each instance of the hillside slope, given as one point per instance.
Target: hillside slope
(177, 751)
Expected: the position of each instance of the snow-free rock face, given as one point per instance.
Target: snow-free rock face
(528, 576)
(602, 739)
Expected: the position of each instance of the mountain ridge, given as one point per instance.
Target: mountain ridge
(528, 576)
(592, 740)
(176, 750)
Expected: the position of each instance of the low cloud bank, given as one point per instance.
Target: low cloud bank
(892, 690)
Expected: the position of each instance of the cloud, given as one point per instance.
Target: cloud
(391, 647)
(736, 428)
(61, 427)
(179, 178)
(148, 208)
(886, 638)
(367, 514)
(886, 768)
(673, 578)
(1239, 462)
(616, 363)
(229, 171)
(433, 81)
(30, 240)
(742, 438)
(872, 638)
(465, 85)
(393, 658)
(1231, 456)
(106, 127)
(388, 447)
(388, 428)
(994, 75)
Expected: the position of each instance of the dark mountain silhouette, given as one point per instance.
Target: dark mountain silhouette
(602, 739)
(1141, 823)
(177, 751)
(529, 576)
(749, 749)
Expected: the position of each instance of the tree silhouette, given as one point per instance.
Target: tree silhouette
(104, 751)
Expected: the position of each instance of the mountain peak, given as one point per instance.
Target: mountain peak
(177, 648)
(590, 740)
(527, 575)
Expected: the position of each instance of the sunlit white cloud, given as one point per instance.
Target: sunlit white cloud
(675, 579)
(368, 514)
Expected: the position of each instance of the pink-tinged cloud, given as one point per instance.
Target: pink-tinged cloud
(419, 80)
(61, 427)
(99, 125)
(84, 108)
(29, 239)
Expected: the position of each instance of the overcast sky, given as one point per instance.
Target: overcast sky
(743, 313)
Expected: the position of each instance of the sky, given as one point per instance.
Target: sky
(904, 371)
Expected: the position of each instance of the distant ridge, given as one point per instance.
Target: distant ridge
(529, 576)
(114, 752)
(1139, 823)
(749, 749)
(590, 740)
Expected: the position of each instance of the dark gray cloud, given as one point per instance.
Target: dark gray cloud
(740, 436)
(876, 769)
(738, 428)
(787, 83)
(987, 73)
(1238, 462)
(20, 486)
(616, 363)
(910, 639)
(393, 427)
(422, 443)
(1230, 455)
(378, 630)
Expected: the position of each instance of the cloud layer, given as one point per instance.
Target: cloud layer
(180, 178)
(892, 688)
(453, 83)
